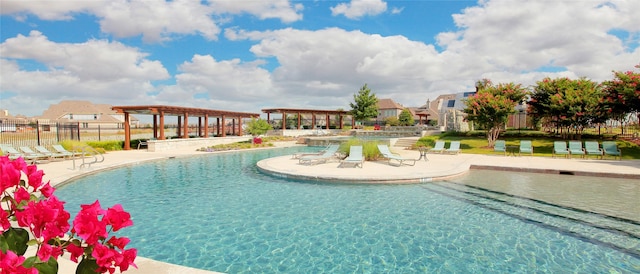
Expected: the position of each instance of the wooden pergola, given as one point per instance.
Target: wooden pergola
(313, 112)
(424, 114)
(183, 113)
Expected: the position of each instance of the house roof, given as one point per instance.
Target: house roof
(58, 112)
(389, 104)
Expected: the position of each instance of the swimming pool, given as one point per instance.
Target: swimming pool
(218, 212)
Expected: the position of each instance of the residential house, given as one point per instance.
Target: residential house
(86, 114)
(388, 108)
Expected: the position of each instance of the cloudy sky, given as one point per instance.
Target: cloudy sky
(246, 55)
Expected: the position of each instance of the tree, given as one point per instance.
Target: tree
(257, 127)
(391, 121)
(365, 104)
(569, 105)
(406, 119)
(491, 105)
(622, 95)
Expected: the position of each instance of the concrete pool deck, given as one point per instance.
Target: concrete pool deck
(437, 168)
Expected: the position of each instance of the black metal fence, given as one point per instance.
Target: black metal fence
(20, 133)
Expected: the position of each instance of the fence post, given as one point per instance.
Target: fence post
(38, 131)
(78, 128)
(99, 135)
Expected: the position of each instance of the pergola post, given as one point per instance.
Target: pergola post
(233, 126)
(239, 126)
(341, 121)
(284, 120)
(328, 121)
(299, 120)
(206, 126)
(185, 126)
(155, 126)
(127, 132)
(223, 125)
(161, 125)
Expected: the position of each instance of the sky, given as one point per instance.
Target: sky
(247, 55)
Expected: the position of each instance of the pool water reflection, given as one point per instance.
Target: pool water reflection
(218, 212)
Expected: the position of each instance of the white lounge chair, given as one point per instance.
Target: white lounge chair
(454, 148)
(61, 149)
(355, 157)
(52, 155)
(386, 153)
(322, 158)
(13, 154)
(38, 156)
(437, 148)
(304, 154)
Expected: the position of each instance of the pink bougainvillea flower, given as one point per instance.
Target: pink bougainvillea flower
(75, 251)
(45, 218)
(35, 176)
(88, 226)
(128, 259)
(10, 262)
(118, 218)
(4, 220)
(21, 195)
(47, 190)
(118, 242)
(46, 251)
(9, 173)
(105, 257)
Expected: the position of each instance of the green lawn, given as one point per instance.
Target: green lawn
(542, 147)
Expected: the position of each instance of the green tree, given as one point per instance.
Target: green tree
(491, 106)
(622, 95)
(569, 105)
(365, 104)
(391, 121)
(405, 117)
(257, 127)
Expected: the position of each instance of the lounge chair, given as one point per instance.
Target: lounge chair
(52, 155)
(13, 154)
(318, 153)
(38, 156)
(437, 148)
(500, 146)
(386, 153)
(525, 147)
(355, 157)
(560, 148)
(322, 158)
(593, 148)
(575, 147)
(454, 148)
(61, 149)
(611, 148)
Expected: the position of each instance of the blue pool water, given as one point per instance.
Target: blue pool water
(218, 212)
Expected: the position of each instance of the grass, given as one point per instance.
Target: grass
(542, 146)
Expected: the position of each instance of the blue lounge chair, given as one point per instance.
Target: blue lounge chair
(454, 148)
(500, 146)
(13, 154)
(575, 148)
(525, 147)
(560, 148)
(355, 157)
(386, 153)
(38, 156)
(322, 158)
(593, 148)
(437, 148)
(611, 148)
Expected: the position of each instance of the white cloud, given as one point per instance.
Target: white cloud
(96, 69)
(49, 9)
(359, 8)
(264, 9)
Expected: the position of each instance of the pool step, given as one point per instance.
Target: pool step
(613, 232)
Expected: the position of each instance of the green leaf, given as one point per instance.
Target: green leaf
(50, 267)
(87, 266)
(15, 240)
